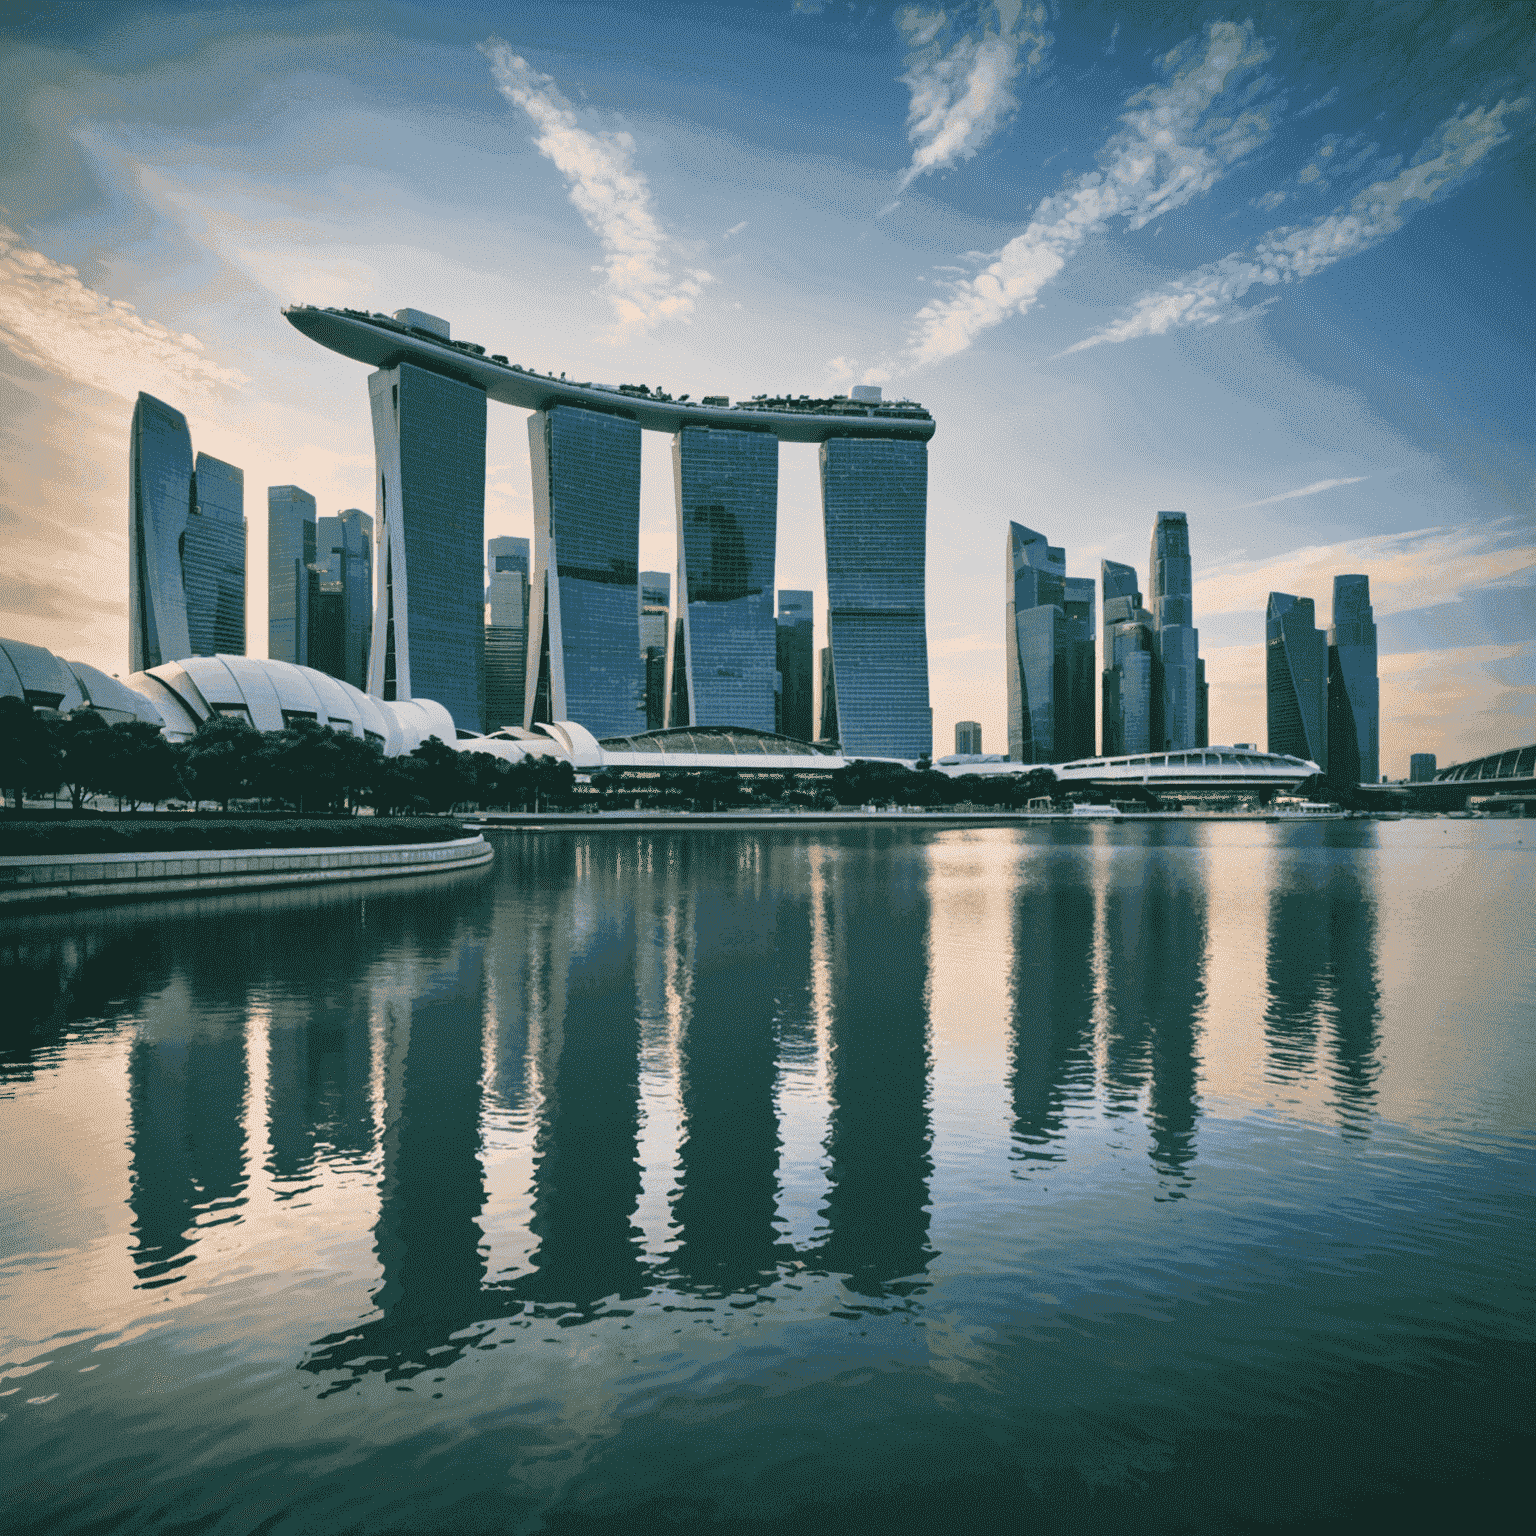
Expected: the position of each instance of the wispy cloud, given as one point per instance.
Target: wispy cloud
(1287, 255)
(613, 198)
(1176, 141)
(1314, 489)
(1407, 570)
(960, 71)
(49, 318)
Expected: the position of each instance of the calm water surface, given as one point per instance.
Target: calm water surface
(1107, 1178)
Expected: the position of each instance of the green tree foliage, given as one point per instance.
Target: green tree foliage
(80, 741)
(29, 757)
(301, 765)
(446, 777)
(223, 761)
(138, 764)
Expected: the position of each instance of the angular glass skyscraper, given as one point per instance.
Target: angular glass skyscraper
(341, 612)
(1354, 699)
(874, 496)
(429, 612)
(1296, 679)
(1176, 639)
(796, 647)
(1132, 699)
(727, 510)
(1049, 645)
(291, 579)
(213, 559)
(584, 662)
(655, 619)
(160, 498)
(508, 563)
(828, 730)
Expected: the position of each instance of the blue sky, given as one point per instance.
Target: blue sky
(1267, 264)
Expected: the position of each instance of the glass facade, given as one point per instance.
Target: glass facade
(508, 564)
(1354, 703)
(213, 560)
(1296, 679)
(1176, 639)
(828, 730)
(655, 614)
(1132, 696)
(874, 495)
(429, 619)
(586, 664)
(727, 511)
(1421, 768)
(341, 603)
(291, 581)
(795, 647)
(1050, 652)
(160, 500)
(968, 738)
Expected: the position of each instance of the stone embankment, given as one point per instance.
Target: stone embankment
(43, 880)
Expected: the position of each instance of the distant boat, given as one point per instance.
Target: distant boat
(1095, 810)
(1312, 810)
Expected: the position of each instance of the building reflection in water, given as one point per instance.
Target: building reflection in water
(1322, 970)
(728, 1194)
(1051, 996)
(879, 1145)
(1155, 940)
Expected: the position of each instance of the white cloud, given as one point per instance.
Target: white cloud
(1210, 293)
(613, 198)
(50, 318)
(1173, 146)
(960, 79)
(735, 229)
(1407, 570)
(1314, 489)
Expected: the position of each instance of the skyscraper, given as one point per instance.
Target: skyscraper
(291, 580)
(429, 612)
(829, 728)
(874, 496)
(967, 738)
(1132, 699)
(1354, 701)
(1050, 652)
(655, 616)
(796, 650)
(160, 495)
(508, 562)
(583, 660)
(341, 600)
(727, 508)
(213, 559)
(1175, 637)
(1421, 768)
(1296, 679)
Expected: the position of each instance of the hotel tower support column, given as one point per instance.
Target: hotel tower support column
(429, 617)
(874, 498)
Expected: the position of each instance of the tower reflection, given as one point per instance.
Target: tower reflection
(730, 1150)
(1155, 936)
(881, 1136)
(1051, 996)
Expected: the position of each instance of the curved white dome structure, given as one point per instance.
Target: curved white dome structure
(272, 694)
(29, 672)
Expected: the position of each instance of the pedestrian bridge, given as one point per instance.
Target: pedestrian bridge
(1513, 770)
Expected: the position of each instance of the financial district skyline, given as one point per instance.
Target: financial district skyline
(509, 632)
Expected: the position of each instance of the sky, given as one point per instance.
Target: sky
(1267, 264)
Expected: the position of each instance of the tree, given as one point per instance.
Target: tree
(359, 764)
(138, 764)
(29, 758)
(223, 760)
(80, 739)
(447, 777)
(301, 763)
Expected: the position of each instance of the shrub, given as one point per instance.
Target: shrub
(189, 835)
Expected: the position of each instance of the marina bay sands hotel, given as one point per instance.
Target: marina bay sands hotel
(429, 395)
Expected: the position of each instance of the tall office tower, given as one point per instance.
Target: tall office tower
(829, 729)
(429, 609)
(1296, 679)
(1050, 652)
(874, 501)
(967, 738)
(1176, 639)
(341, 601)
(655, 612)
(583, 662)
(507, 562)
(1354, 700)
(291, 580)
(796, 651)
(1202, 705)
(160, 496)
(1421, 768)
(213, 559)
(1131, 694)
(727, 509)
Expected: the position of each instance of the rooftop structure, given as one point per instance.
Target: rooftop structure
(409, 336)
(1213, 771)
